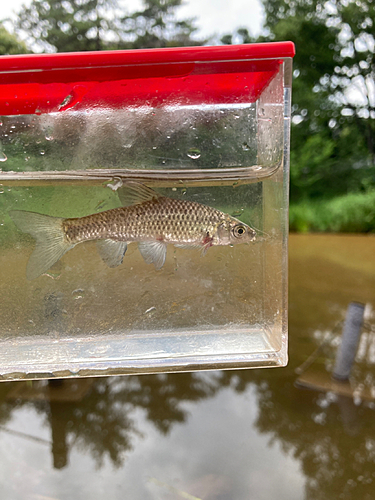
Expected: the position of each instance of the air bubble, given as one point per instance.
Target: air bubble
(194, 154)
(78, 293)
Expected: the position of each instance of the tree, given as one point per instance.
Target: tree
(9, 44)
(69, 25)
(333, 136)
(80, 25)
(156, 26)
(333, 114)
(241, 35)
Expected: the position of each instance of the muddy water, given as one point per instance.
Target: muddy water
(215, 435)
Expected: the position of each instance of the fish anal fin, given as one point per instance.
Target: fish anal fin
(153, 252)
(112, 252)
(134, 193)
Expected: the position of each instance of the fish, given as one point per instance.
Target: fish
(146, 217)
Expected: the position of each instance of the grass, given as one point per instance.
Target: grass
(351, 213)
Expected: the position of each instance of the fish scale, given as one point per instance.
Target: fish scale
(178, 221)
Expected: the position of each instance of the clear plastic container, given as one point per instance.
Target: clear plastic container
(208, 125)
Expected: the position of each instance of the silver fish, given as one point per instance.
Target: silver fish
(148, 218)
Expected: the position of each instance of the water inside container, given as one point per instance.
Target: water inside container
(224, 308)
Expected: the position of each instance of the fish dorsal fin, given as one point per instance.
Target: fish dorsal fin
(153, 252)
(134, 193)
(112, 252)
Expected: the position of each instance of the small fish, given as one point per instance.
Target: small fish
(147, 217)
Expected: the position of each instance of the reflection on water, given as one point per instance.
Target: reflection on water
(216, 435)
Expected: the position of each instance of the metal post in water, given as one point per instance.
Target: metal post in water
(349, 341)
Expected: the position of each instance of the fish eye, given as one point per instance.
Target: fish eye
(239, 231)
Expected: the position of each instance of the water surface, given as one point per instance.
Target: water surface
(214, 435)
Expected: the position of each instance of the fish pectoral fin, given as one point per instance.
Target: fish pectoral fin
(153, 252)
(112, 252)
(134, 193)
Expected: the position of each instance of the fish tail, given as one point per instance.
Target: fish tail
(51, 243)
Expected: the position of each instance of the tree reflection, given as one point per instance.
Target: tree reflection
(332, 437)
(102, 423)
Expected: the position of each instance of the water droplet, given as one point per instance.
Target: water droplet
(3, 156)
(49, 137)
(238, 212)
(245, 146)
(194, 154)
(42, 152)
(183, 190)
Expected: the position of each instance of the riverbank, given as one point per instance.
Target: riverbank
(351, 213)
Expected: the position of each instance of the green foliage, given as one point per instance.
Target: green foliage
(69, 25)
(333, 114)
(351, 213)
(81, 25)
(241, 35)
(156, 26)
(10, 44)
(333, 131)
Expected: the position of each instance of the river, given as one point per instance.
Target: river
(218, 435)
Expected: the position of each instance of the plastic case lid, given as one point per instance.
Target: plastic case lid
(47, 83)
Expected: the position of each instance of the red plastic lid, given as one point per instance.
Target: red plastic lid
(46, 83)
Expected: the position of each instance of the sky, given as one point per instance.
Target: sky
(212, 16)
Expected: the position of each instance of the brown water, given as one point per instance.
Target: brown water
(215, 435)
